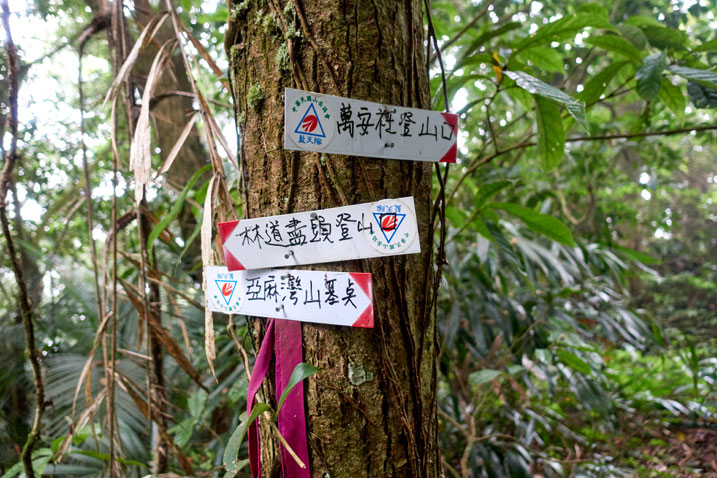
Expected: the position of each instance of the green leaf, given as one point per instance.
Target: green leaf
(106, 457)
(641, 20)
(485, 37)
(564, 28)
(615, 44)
(694, 74)
(673, 98)
(637, 256)
(196, 403)
(634, 35)
(182, 431)
(594, 8)
(483, 376)
(301, 372)
(40, 459)
(231, 452)
(540, 223)
(573, 361)
(649, 76)
(487, 191)
(173, 212)
(537, 87)
(596, 86)
(662, 37)
(543, 57)
(701, 96)
(551, 134)
(707, 46)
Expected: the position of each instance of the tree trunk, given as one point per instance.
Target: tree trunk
(371, 409)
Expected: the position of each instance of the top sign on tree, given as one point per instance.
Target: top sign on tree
(332, 124)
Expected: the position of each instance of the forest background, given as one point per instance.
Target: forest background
(578, 305)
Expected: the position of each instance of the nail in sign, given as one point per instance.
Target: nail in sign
(332, 124)
(383, 228)
(338, 298)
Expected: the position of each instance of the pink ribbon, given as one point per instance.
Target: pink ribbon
(283, 338)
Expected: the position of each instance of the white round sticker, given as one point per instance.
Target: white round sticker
(310, 122)
(393, 226)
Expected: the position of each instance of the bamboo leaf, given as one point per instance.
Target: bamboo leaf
(540, 223)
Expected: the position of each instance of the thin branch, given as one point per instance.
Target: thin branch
(468, 26)
(26, 307)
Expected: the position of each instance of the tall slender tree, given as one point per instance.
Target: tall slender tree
(372, 407)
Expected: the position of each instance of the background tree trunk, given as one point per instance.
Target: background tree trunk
(371, 409)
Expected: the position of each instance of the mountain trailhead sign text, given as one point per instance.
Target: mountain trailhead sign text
(384, 228)
(332, 124)
(338, 298)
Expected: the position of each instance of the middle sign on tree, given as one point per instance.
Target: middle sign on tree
(361, 231)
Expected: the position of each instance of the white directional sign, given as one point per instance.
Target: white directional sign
(338, 298)
(383, 228)
(332, 124)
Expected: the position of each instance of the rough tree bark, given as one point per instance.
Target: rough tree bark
(371, 410)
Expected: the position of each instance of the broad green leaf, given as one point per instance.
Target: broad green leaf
(662, 37)
(596, 86)
(182, 431)
(485, 37)
(196, 403)
(543, 57)
(301, 372)
(523, 97)
(701, 96)
(483, 376)
(564, 28)
(673, 98)
(551, 134)
(544, 356)
(615, 44)
(694, 74)
(634, 35)
(456, 216)
(573, 361)
(707, 46)
(537, 87)
(641, 20)
(540, 223)
(231, 452)
(594, 8)
(487, 191)
(173, 212)
(40, 459)
(649, 76)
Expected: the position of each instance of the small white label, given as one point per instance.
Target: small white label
(337, 125)
(361, 231)
(338, 298)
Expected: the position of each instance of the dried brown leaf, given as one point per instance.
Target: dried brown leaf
(178, 145)
(144, 38)
(140, 153)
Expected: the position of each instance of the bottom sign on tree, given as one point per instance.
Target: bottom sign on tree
(337, 298)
